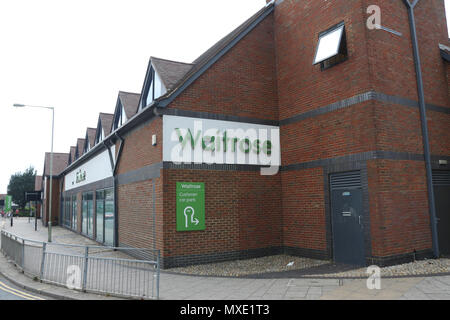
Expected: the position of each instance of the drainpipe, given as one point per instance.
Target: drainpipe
(111, 162)
(423, 118)
(116, 212)
(113, 169)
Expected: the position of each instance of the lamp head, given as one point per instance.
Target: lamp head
(18, 105)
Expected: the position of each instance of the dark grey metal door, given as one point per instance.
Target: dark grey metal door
(347, 218)
(441, 184)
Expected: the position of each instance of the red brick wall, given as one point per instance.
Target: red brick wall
(242, 211)
(55, 202)
(304, 209)
(432, 30)
(379, 61)
(439, 132)
(399, 214)
(398, 189)
(447, 64)
(391, 57)
(398, 128)
(333, 134)
(137, 150)
(241, 83)
(135, 206)
(301, 86)
(135, 200)
(393, 72)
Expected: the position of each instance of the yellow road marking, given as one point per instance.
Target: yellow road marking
(18, 293)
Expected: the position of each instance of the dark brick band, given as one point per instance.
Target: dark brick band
(360, 98)
(141, 174)
(364, 156)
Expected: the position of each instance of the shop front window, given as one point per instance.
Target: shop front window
(109, 217)
(88, 214)
(74, 212)
(104, 215)
(67, 213)
(100, 214)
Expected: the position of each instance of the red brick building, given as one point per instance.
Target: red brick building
(38, 188)
(352, 183)
(59, 164)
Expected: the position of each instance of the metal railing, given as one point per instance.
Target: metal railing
(97, 269)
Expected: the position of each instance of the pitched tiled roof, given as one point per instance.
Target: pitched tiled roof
(59, 163)
(38, 183)
(170, 72)
(72, 153)
(130, 102)
(106, 119)
(90, 133)
(80, 146)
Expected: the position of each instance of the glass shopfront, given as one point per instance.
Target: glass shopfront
(87, 223)
(74, 212)
(97, 215)
(69, 213)
(104, 200)
(109, 217)
(100, 215)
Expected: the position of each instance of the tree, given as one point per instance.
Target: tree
(21, 183)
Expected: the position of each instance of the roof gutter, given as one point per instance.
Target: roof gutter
(423, 118)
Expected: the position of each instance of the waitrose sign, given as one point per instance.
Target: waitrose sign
(194, 140)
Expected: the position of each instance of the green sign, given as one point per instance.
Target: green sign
(8, 200)
(190, 206)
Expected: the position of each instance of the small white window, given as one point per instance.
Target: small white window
(155, 89)
(88, 145)
(159, 87)
(330, 44)
(123, 117)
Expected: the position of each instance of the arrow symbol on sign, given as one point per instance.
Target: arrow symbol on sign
(187, 211)
(194, 220)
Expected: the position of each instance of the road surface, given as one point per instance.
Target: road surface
(8, 291)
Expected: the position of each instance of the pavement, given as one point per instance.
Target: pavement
(188, 287)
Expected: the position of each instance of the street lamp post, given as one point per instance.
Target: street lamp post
(17, 105)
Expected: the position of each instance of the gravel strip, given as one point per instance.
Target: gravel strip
(279, 263)
(422, 267)
(250, 266)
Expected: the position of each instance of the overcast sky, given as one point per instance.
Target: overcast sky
(77, 55)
